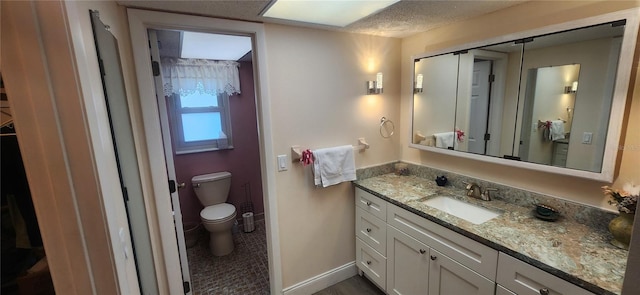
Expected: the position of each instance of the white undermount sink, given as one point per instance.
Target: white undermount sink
(472, 213)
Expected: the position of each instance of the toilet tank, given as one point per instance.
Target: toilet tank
(212, 188)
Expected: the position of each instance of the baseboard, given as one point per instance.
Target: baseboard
(323, 280)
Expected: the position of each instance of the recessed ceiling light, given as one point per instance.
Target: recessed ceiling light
(214, 46)
(339, 13)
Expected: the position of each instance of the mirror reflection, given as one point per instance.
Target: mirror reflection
(436, 103)
(545, 99)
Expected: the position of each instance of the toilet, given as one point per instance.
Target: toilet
(217, 216)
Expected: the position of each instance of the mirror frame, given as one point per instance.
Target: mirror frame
(619, 101)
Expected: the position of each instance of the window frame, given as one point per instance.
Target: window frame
(175, 116)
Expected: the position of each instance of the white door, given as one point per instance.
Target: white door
(447, 277)
(407, 264)
(171, 172)
(479, 106)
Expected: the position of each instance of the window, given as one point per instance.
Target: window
(200, 122)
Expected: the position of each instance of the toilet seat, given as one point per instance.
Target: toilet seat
(218, 213)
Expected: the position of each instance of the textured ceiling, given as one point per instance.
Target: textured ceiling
(402, 19)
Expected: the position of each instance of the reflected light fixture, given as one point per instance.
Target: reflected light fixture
(417, 87)
(375, 87)
(571, 89)
(331, 13)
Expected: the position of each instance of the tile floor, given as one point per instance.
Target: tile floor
(244, 271)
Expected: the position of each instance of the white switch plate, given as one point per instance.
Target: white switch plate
(587, 137)
(282, 163)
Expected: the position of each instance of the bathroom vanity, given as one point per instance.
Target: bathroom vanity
(408, 247)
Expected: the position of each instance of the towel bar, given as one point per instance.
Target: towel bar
(296, 150)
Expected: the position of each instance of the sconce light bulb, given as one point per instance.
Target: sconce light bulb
(574, 86)
(419, 80)
(379, 80)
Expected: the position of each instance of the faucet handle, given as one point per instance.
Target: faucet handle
(486, 195)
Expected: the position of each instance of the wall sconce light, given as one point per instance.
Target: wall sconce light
(375, 87)
(417, 88)
(571, 89)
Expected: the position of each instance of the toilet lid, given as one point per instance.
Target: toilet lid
(219, 211)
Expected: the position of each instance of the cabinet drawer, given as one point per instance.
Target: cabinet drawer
(468, 252)
(372, 263)
(525, 279)
(371, 230)
(371, 204)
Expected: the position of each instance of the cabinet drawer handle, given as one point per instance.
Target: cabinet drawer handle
(544, 291)
(368, 262)
(368, 230)
(422, 251)
(433, 257)
(368, 203)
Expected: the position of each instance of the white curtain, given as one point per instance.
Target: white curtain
(187, 76)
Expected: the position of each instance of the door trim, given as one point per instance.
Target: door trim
(139, 22)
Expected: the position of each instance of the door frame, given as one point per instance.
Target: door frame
(139, 22)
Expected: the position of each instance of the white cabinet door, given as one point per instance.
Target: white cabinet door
(407, 264)
(500, 290)
(447, 277)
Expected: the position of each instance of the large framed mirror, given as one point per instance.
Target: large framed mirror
(550, 99)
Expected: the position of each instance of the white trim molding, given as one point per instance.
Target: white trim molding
(323, 280)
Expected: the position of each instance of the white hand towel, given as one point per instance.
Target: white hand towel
(334, 165)
(444, 139)
(556, 131)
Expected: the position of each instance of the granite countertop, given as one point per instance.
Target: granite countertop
(572, 251)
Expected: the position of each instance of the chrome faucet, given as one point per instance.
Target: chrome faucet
(474, 191)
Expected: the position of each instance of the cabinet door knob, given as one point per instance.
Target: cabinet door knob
(368, 262)
(422, 251)
(368, 203)
(433, 257)
(544, 291)
(368, 230)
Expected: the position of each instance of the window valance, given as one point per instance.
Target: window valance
(187, 76)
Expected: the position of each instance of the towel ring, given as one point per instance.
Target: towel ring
(386, 127)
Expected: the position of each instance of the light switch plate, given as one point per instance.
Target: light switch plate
(282, 163)
(587, 137)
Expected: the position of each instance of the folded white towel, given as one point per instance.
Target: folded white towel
(444, 139)
(334, 165)
(556, 131)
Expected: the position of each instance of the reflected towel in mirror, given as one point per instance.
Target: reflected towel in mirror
(444, 139)
(556, 130)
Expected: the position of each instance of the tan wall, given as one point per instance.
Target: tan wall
(520, 18)
(317, 85)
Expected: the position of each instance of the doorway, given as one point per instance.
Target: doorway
(207, 112)
(139, 23)
(24, 262)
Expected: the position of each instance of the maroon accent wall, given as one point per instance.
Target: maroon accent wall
(243, 161)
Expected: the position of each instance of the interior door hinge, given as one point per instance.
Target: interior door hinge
(187, 287)
(487, 136)
(155, 67)
(492, 78)
(172, 186)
